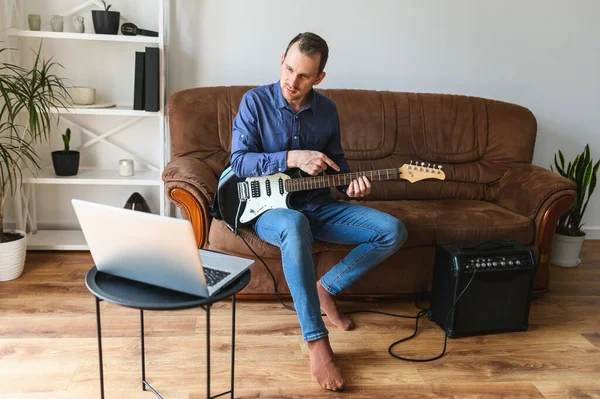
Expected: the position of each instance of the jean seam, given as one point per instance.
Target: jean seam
(327, 287)
(357, 227)
(353, 263)
(356, 260)
(315, 337)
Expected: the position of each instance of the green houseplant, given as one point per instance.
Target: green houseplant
(27, 96)
(66, 161)
(569, 235)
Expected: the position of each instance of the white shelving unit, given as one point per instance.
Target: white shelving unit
(83, 36)
(119, 110)
(98, 177)
(25, 202)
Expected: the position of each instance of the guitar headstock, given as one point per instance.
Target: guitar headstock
(421, 171)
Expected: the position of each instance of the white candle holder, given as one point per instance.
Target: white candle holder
(126, 167)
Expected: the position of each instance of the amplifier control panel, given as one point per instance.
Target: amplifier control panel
(521, 261)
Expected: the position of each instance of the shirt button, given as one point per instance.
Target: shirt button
(280, 169)
(242, 136)
(295, 137)
(296, 117)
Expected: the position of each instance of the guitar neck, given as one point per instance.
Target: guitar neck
(342, 179)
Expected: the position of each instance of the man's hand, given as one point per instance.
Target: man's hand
(359, 187)
(311, 162)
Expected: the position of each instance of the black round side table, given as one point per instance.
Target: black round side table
(137, 295)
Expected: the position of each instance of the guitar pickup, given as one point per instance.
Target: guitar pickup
(243, 191)
(255, 189)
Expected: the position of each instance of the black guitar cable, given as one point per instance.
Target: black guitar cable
(421, 313)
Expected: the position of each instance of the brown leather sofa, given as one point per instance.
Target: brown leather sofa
(491, 190)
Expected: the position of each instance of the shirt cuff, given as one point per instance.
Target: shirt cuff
(279, 162)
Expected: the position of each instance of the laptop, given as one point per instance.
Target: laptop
(154, 249)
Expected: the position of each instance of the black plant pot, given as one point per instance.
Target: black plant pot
(65, 163)
(106, 22)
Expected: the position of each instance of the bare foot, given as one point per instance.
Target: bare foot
(322, 368)
(330, 308)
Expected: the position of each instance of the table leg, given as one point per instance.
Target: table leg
(143, 351)
(99, 330)
(208, 351)
(145, 383)
(232, 342)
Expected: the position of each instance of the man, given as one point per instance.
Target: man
(289, 125)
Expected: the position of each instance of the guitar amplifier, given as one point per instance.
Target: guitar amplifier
(499, 294)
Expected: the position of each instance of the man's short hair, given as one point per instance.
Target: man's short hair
(310, 44)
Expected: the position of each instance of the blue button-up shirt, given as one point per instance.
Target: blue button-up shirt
(266, 128)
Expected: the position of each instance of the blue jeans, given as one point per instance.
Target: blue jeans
(378, 235)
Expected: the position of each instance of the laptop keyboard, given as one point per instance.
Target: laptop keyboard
(213, 276)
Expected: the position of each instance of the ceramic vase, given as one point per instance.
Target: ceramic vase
(34, 21)
(78, 25)
(56, 22)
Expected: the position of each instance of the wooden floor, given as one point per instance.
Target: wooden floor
(48, 345)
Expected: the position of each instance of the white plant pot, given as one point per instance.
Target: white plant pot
(566, 250)
(12, 257)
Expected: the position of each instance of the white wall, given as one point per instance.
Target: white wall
(542, 54)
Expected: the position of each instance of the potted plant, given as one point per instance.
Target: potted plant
(66, 162)
(26, 98)
(105, 21)
(569, 237)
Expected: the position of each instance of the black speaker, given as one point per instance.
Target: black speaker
(498, 297)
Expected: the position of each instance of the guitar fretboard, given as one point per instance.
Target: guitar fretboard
(310, 183)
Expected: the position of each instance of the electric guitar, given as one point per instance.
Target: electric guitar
(241, 200)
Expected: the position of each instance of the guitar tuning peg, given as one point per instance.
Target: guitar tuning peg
(439, 166)
(411, 161)
(428, 165)
(422, 163)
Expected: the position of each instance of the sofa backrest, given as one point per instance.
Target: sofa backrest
(474, 139)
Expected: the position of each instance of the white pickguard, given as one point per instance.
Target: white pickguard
(256, 205)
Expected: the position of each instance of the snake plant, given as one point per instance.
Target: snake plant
(582, 171)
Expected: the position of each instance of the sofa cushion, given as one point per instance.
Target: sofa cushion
(427, 222)
(433, 221)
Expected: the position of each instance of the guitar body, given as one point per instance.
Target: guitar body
(245, 199)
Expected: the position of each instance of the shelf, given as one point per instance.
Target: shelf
(64, 240)
(44, 194)
(98, 177)
(119, 110)
(83, 36)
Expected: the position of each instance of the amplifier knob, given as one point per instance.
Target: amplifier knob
(495, 264)
(518, 262)
(489, 264)
(503, 263)
(510, 262)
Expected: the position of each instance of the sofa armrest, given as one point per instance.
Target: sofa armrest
(526, 189)
(542, 196)
(191, 185)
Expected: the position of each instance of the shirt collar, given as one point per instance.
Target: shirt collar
(280, 102)
(278, 96)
